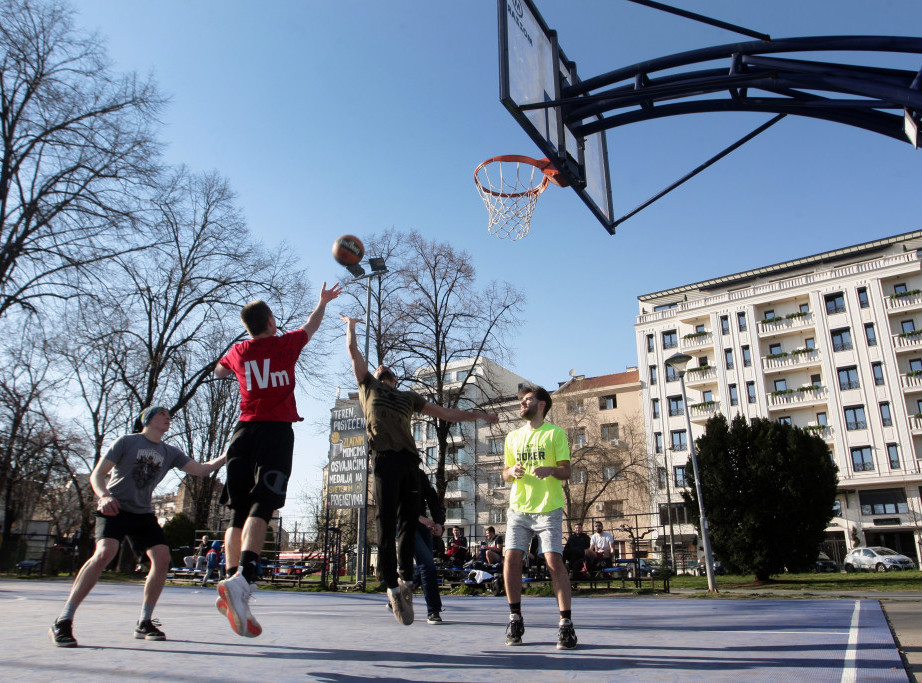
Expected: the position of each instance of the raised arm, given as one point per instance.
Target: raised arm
(455, 415)
(316, 317)
(203, 469)
(359, 366)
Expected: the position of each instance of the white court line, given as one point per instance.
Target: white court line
(849, 670)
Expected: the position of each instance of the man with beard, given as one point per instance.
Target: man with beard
(537, 459)
(124, 481)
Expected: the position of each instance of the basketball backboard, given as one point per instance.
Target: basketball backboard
(533, 71)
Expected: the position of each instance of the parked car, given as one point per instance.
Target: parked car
(876, 559)
(718, 568)
(825, 564)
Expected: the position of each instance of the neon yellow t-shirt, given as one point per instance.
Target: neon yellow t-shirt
(545, 446)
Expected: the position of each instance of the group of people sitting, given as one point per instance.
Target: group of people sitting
(584, 553)
(458, 551)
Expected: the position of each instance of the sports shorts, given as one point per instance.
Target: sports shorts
(548, 527)
(258, 464)
(142, 529)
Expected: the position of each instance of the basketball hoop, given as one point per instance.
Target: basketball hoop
(511, 194)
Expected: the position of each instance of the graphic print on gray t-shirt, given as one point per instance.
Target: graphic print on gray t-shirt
(140, 464)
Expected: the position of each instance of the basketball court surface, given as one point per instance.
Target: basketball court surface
(351, 637)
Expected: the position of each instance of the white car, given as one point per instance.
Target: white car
(876, 559)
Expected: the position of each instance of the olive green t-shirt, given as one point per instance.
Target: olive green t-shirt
(387, 415)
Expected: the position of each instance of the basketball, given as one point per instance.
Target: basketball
(348, 250)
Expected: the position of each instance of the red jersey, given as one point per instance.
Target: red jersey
(265, 370)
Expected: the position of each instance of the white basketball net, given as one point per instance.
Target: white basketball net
(510, 191)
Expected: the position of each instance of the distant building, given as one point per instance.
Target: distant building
(831, 343)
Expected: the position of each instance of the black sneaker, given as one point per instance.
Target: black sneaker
(62, 634)
(434, 618)
(566, 635)
(147, 630)
(515, 630)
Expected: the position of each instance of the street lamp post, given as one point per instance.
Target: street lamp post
(669, 510)
(378, 268)
(678, 361)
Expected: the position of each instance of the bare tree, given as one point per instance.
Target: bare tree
(77, 142)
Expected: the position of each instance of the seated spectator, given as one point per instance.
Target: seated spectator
(491, 550)
(601, 549)
(213, 561)
(574, 552)
(457, 549)
(198, 560)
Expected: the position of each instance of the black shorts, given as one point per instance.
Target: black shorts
(142, 529)
(258, 464)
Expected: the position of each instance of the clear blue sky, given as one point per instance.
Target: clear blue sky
(354, 117)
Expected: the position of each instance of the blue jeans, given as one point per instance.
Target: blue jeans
(426, 569)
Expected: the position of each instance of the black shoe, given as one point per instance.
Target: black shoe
(566, 635)
(434, 618)
(147, 630)
(515, 630)
(62, 633)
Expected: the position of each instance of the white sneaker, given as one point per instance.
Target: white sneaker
(233, 602)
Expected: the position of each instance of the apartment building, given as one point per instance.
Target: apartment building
(831, 343)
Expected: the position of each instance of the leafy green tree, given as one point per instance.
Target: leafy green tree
(180, 530)
(768, 490)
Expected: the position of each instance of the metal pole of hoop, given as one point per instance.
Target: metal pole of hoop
(378, 268)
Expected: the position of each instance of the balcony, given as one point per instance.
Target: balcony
(915, 424)
(701, 375)
(908, 341)
(697, 340)
(795, 359)
(793, 398)
(903, 302)
(822, 431)
(912, 380)
(703, 411)
(789, 323)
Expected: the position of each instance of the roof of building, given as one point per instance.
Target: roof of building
(834, 256)
(582, 383)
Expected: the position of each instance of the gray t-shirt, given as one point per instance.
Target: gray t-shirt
(140, 464)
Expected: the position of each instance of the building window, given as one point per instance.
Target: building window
(747, 357)
(885, 418)
(707, 396)
(724, 325)
(915, 365)
(610, 432)
(734, 396)
(610, 473)
(907, 326)
(863, 297)
(577, 407)
(821, 419)
(741, 321)
(430, 431)
(495, 446)
(841, 339)
(835, 303)
(578, 437)
(805, 308)
(608, 402)
(676, 406)
(658, 442)
(678, 440)
(751, 392)
(432, 455)
(870, 334)
(883, 502)
(660, 478)
(893, 453)
(900, 288)
(673, 511)
(417, 431)
(728, 357)
(613, 508)
(774, 349)
(654, 407)
(854, 418)
(785, 421)
(848, 378)
(650, 343)
(579, 476)
(671, 375)
(670, 339)
(496, 480)
(652, 378)
(769, 314)
(679, 476)
(816, 380)
(862, 460)
(878, 370)
(781, 385)
(497, 515)
(810, 343)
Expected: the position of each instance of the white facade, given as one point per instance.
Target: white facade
(827, 342)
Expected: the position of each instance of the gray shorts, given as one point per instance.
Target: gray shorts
(521, 526)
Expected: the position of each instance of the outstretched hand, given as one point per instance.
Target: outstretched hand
(349, 321)
(327, 295)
